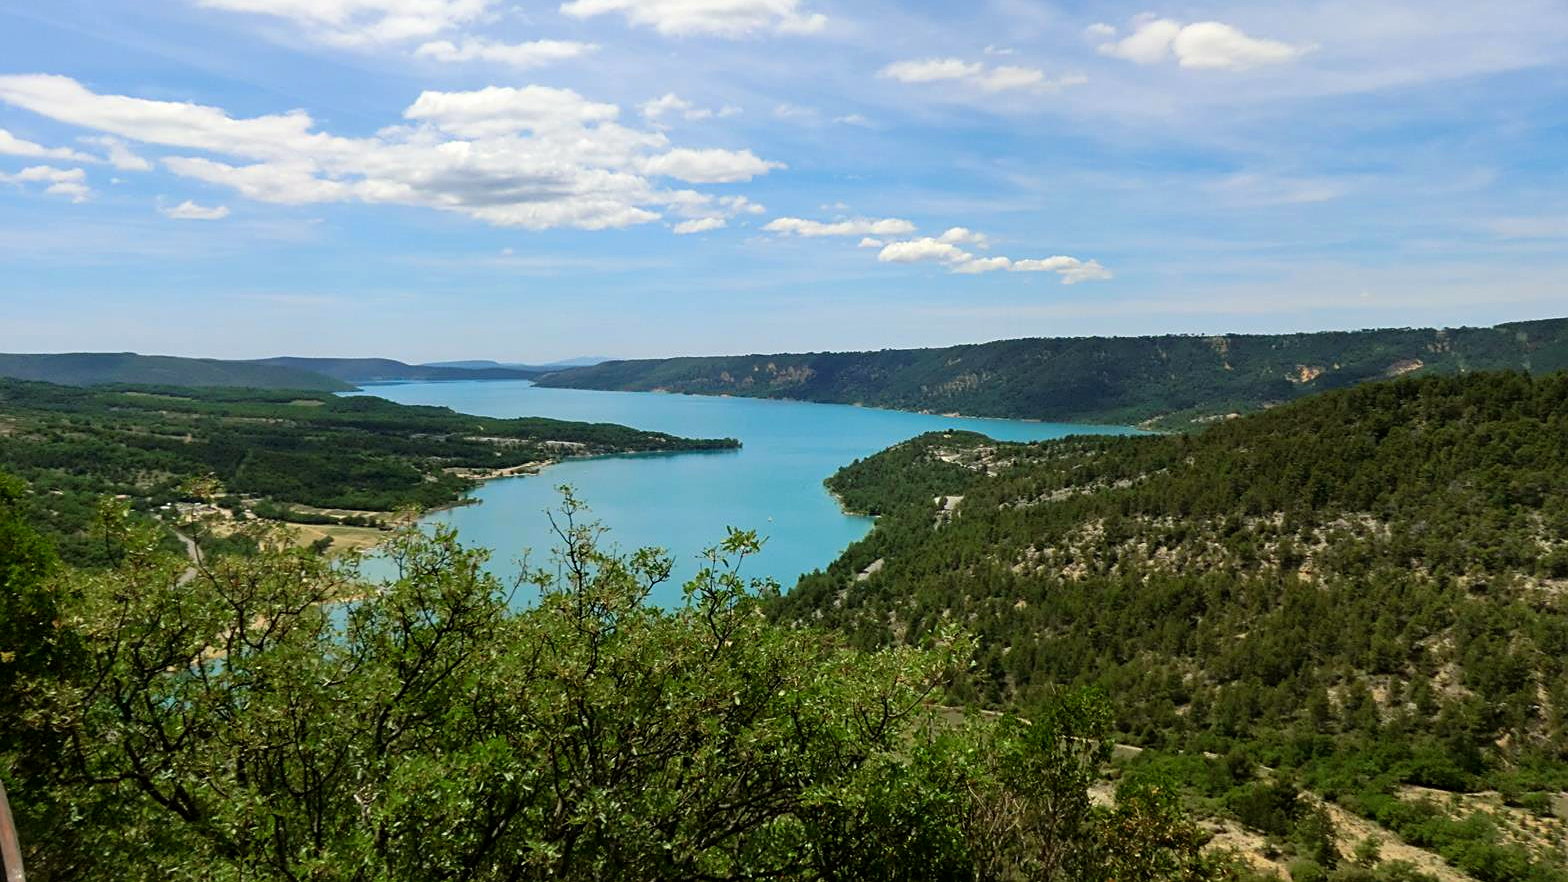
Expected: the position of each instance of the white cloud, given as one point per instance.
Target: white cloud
(944, 250)
(811, 229)
(68, 182)
(710, 166)
(869, 242)
(10, 145)
(931, 70)
(286, 183)
(1002, 78)
(735, 205)
(671, 104)
(1203, 45)
(189, 210)
(119, 155)
(853, 119)
(523, 56)
(702, 206)
(1071, 269)
(964, 236)
(978, 265)
(364, 22)
(700, 225)
(917, 250)
(1212, 44)
(531, 157)
(500, 110)
(725, 18)
(170, 123)
(1149, 43)
(990, 79)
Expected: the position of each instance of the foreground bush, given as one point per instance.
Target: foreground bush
(238, 719)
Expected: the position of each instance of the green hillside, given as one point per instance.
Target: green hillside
(1177, 381)
(1366, 591)
(315, 374)
(373, 370)
(108, 368)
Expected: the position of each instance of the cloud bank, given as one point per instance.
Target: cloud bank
(534, 157)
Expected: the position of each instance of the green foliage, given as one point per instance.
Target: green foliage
(1303, 870)
(1271, 807)
(30, 642)
(1181, 379)
(267, 717)
(1472, 843)
(1356, 589)
(306, 448)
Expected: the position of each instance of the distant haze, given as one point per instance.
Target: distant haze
(581, 361)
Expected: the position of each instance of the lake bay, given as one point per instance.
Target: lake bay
(683, 502)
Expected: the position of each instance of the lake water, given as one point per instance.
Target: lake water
(684, 502)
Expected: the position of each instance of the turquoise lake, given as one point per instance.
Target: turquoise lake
(684, 502)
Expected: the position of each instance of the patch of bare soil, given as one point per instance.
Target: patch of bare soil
(1354, 828)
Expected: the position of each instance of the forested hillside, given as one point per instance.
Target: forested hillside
(107, 368)
(376, 370)
(316, 374)
(270, 451)
(1366, 592)
(270, 717)
(1176, 381)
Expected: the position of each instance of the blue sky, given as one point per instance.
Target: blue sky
(429, 179)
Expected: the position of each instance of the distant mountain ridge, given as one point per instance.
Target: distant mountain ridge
(581, 361)
(377, 370)
(306, 374)
(1168, 381)
(129, 368)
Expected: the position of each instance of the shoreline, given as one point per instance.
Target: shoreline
(1135, 427)
(480, 477)
(486, 476)
(844, 509)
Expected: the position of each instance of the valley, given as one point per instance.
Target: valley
(783, 441)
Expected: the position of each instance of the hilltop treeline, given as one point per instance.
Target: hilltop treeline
(99, 368)
(1180, 381)
(317, 374)
(1368, 588)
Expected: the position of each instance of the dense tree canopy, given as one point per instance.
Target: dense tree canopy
(1367, 588)
(268, 717)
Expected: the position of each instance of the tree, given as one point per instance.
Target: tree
(271, 717)
(29, 640)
